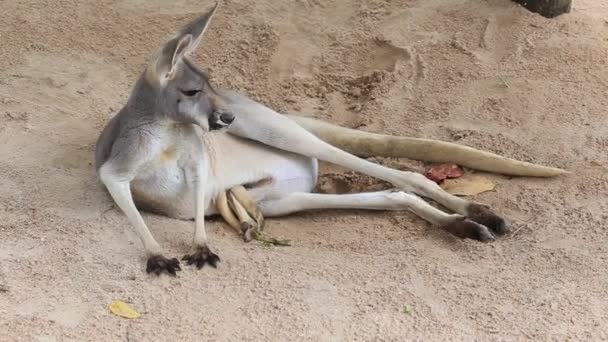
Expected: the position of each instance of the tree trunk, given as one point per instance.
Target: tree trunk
(547, 8)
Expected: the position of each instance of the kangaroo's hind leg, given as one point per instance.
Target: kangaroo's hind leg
(382, 200)
(260, 123)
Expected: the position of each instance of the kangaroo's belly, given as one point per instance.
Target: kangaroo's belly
(166, 186)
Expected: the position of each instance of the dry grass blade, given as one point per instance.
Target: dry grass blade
(272, 241)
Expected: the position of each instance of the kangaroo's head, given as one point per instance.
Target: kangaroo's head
(183, 92)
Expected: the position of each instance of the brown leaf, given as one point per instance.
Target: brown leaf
(468, 185)
(440, 172)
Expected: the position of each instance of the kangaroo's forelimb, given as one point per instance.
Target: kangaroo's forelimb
(119, 188)
(201, 254)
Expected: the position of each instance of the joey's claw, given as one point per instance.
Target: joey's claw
(158, 263)
(483, 215)
(201, 256)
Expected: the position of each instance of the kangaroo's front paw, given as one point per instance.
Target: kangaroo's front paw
(483, 215)
(467, 229)
(221, 118)
(201, 256)
(158, 263)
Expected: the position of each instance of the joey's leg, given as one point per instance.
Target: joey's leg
(257, 122)
(225, 211)
(249, 204)
(383, 200)
(249, 226)
(248, 220)
(121, 194)
(201, 254)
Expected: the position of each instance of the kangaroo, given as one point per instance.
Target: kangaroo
(181, 148)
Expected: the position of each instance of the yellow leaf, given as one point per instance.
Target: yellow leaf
(122, 309)
(468, 185)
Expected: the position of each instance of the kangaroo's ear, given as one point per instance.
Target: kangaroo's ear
(181, 45)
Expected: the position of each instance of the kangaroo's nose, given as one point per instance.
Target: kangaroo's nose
(227, 118)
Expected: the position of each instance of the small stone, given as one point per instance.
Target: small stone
(355, 107)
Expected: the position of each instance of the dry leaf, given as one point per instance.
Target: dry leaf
(469, 185)
(122, 309)
(439, 173)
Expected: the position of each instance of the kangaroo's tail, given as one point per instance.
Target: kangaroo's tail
(365, 144)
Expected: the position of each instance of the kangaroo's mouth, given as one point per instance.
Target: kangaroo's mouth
(220, 119)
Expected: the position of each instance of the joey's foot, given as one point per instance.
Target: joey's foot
(483, 215)
(201, 256)
(467, 229)
(158, 263)
(250, 230)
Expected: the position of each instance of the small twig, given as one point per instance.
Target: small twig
(517, 231)
(107, 210)
(522, 226)
(484, 36)
(504, 82)
(529, 42)
(128, 333)
(458, 45)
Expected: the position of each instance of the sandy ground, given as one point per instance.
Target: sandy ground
(482, 73)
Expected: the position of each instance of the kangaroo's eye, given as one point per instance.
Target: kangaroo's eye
(190, 92)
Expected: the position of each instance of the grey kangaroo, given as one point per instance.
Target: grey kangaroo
(183, 149)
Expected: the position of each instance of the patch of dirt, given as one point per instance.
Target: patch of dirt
(487, 74)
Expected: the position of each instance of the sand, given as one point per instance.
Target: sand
(486, 74)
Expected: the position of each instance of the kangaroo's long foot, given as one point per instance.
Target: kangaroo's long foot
(480, 223)
(483, 215)
(464, 228)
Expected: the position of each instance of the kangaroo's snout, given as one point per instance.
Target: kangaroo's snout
(220, 119)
